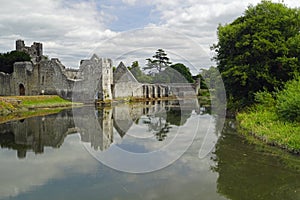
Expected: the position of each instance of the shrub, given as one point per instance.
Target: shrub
(288, 101)
(265, 98)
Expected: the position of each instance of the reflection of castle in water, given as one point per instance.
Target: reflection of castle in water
(36, 133)
(96, 126)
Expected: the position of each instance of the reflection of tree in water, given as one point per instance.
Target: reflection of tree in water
(161, 124)
(158, 125)
(178, 117)
(162, 134)
(252, 171)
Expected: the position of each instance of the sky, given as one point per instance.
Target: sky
(123, 30)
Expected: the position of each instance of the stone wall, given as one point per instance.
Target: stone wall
(5, 84)
(183, 89)
(53, 79)
(46, 77)
(40, 76)
(125, 84)
(94, 81)
(23, 77)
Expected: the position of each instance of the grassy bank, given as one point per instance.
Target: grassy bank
(264, 124)
(275, 119)
(47, 101)
(18, 107)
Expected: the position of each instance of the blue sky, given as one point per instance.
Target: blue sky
(126, 17)
(72, 30)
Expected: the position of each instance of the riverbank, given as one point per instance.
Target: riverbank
(263, 124)
(19, 107)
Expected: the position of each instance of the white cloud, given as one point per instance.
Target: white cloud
(129, 2)
(141, 44)
(200, 19)
(70, 30)
(18, 176)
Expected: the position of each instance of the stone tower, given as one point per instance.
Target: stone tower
(35, 50)
(107, 80)
(20, 45)
(38, 47)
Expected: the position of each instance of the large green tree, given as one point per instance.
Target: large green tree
(259, 50)
(176, 73)
(184, 71)
(159, 62)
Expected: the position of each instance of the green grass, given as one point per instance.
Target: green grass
(19, 107)
(263, 123)
(5, 105)
(42, 101)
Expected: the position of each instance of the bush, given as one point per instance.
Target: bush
(288, 101)
(265, 98)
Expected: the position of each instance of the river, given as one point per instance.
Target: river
(154, 150)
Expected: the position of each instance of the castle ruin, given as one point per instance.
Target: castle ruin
(94, 80)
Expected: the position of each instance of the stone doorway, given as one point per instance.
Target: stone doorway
(21, 90)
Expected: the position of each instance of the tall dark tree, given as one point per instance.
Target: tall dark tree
(184, 71)
(160, 61)
(7, 60)
(259, 50)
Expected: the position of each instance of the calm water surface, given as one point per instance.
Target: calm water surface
(53, 157)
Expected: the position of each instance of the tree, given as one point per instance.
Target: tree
(7, 60)
(210, 78)
(160, 61)
(184, 71)
(138, 74)
(259, 50)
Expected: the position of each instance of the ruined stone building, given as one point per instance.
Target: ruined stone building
(94, 80)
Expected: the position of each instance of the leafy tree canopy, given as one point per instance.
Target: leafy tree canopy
(160, 61)
(288, 100)
(260, 49)
(184, 71)
(7, 60)
(176, 73)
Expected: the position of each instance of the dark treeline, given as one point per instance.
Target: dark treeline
(8, 59)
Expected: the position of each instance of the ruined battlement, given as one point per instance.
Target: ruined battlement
(35, 50)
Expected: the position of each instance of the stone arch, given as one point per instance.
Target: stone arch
(21, 89)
